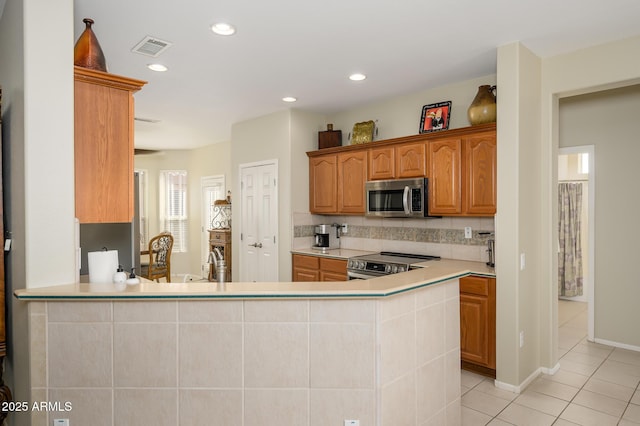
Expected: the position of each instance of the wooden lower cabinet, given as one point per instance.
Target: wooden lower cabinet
(478, 324)
(315, 268)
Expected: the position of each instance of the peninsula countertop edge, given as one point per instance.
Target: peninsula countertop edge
(427, 273)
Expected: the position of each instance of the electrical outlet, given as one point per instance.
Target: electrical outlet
(521, 338)
(467, 232)
(345, 228)
(61, 422)
(352, 423)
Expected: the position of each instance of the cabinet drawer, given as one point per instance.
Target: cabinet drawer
(219, 236)
(474, 285)
(307, 262)
(333, 265)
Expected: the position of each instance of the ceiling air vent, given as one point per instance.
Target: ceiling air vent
(151, 46)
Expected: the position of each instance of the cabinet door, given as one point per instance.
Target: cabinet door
(323, 184)
(474, 340)
(103, 153)
(382, 163)
(103, 133)
(478, 321)
(411, 160)
(445, 177)
(305, 268)
(480, 159)
(333, 269)
(305, 275)
(352, 175)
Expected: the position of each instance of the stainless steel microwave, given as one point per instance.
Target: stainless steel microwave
(397, 198)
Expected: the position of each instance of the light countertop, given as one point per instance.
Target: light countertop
(332, 253)
(430, 272)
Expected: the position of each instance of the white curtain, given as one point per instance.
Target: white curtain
(570, 247)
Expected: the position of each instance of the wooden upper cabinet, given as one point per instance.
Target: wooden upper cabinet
(481, 182)
(352, 176)
(411, 160)
(445, 196)
(382, 163)
(323, 184)
(461, 165)
(104, 113)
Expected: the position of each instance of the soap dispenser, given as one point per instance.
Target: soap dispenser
(120, 276)
(132, 278)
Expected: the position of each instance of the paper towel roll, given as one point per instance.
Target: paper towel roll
(102, 265)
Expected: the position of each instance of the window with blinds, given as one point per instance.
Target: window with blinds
(173, 207)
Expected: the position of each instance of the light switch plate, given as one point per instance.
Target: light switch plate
(61, 422)
(352, 423)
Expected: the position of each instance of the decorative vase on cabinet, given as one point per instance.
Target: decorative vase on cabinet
(483, 108)
(87, 52)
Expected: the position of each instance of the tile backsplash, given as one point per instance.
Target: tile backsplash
(435, 236)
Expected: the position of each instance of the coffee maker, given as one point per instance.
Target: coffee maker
(326, 237)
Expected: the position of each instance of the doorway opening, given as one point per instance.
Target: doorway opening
(576, 228)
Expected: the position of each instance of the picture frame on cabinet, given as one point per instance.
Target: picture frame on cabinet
(435, 117)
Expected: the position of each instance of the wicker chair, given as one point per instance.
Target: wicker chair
(159, 252)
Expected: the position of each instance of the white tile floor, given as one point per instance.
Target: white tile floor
(596, 385)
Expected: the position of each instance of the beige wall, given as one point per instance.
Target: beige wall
(37, 82)
(611, 65)
(285, 137)
(518, 217)
(400, 115)
(206, 161)
(528, 117)
(609, 121)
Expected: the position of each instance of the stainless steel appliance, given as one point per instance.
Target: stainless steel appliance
(326, 237)
(384, 263)
(397, 198)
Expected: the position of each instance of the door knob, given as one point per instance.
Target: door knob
(258, 245)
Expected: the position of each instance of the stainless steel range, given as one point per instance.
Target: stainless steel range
(384, 263)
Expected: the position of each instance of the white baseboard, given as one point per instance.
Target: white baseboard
(550, 371)
(522, 386)
(618, 345)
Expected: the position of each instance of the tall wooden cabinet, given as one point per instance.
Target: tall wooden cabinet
(478, 324)
(104, 113)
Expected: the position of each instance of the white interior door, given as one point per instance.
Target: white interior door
(259, 242)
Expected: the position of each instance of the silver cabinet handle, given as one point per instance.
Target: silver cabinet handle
(258, 245)
(405, 200)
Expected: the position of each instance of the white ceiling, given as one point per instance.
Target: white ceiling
(307, 49)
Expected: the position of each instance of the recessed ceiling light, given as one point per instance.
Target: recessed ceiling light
(157, 67)
(289, 99)
(357, 77)
(222, 28)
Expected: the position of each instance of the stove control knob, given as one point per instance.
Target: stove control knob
(387, 269)
(361, 264)
(401, 269)
(394, 269)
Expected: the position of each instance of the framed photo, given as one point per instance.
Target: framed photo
(435, 117)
